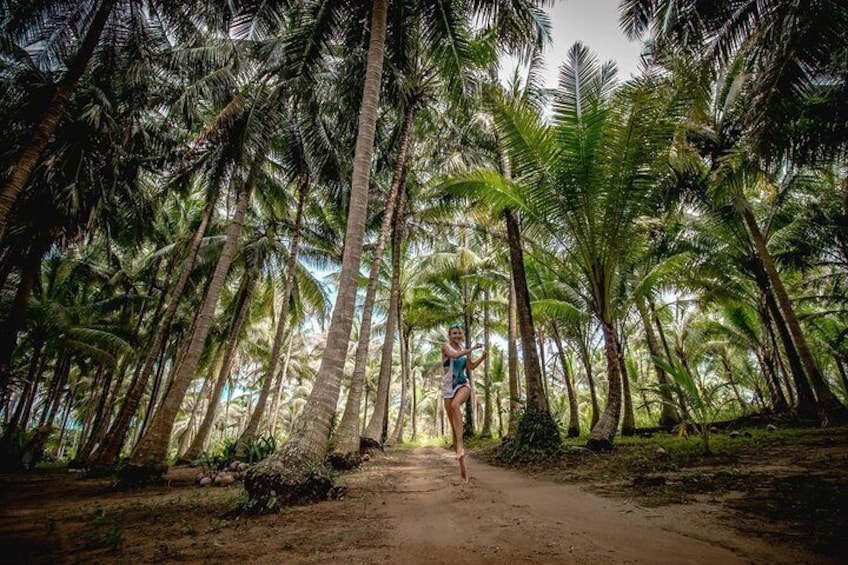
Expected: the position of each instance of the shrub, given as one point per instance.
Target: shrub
(537, 439)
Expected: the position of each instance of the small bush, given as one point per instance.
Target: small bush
(249, 450)
(21, 449)
(537, 439)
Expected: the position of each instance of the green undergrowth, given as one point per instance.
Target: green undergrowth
(538, 439)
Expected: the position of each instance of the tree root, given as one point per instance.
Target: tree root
(370, 446)
(134, 475)
(344, 461)
(287, 478)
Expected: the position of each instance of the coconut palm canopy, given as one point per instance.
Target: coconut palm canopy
(250, 224)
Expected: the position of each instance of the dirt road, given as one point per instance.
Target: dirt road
(409, 507)
(505, 516)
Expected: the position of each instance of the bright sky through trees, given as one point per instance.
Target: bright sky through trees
(595, 23)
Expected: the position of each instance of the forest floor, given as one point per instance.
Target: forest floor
(768, 498)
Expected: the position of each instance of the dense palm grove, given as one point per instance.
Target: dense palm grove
(248, 224)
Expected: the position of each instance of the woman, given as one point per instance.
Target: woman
(456, 387)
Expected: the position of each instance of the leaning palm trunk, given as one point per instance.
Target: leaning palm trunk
(31, 155)
(829, 407)
(294, 472)
(291, 267)
(537, 429)
(532, 372)
(104, 409)
(101, 415)
(16, 314)
(275, 409)
(805, 401)
(202, 396)
(148, 458)
(512, 362)
(108, 454)
(202, 435)
(668, 415)
(487, 378)
(604, 431)
(396, 437)
(346, 445)
(628, 423)
(573, 411)
(468, 420)
(375, 431)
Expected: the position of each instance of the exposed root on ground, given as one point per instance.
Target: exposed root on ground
(289, 477)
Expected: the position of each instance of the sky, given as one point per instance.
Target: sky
(595, 23)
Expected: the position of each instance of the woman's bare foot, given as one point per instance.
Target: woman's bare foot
(463, 469)
(460, 453)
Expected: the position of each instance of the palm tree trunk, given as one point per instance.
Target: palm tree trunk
(666, 348)
(293, 464)
(499, 400)
(291, 268)
(346, 445)
(248, 284)
(468, 420)
(156, 392)
(541, 349)
(668, 416)
(22, 170)
(100, 415)
(512, 361)
(843, 374)
(573, 410)
(403, 342)
(110, 389)
(602, 434)
(69, 405)
(374, 432)
(628, 424)
(829, 407)
(532, 373)
(414, 415)
(108, 454)
(51, 403)
(202, 396)
(805, 401)
(149, 455)
(778, 403)
(781, 366)
(17, 419)
(728, 374)
(16, 317)
(590, 379)
(28, 393)
(487, 377)
(275, 410)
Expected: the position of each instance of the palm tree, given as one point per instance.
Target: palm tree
(585, 180)
(59, 27)
(727, 183)
(242, 304)
(347, 442)
(793, 54)
(308, 440)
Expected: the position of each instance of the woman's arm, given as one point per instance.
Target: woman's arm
(473, 364)
(453, 354)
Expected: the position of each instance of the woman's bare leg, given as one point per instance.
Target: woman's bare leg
(450, 419)
(456, 415)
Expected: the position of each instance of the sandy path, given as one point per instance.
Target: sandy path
(504, 516)
(408, 507)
